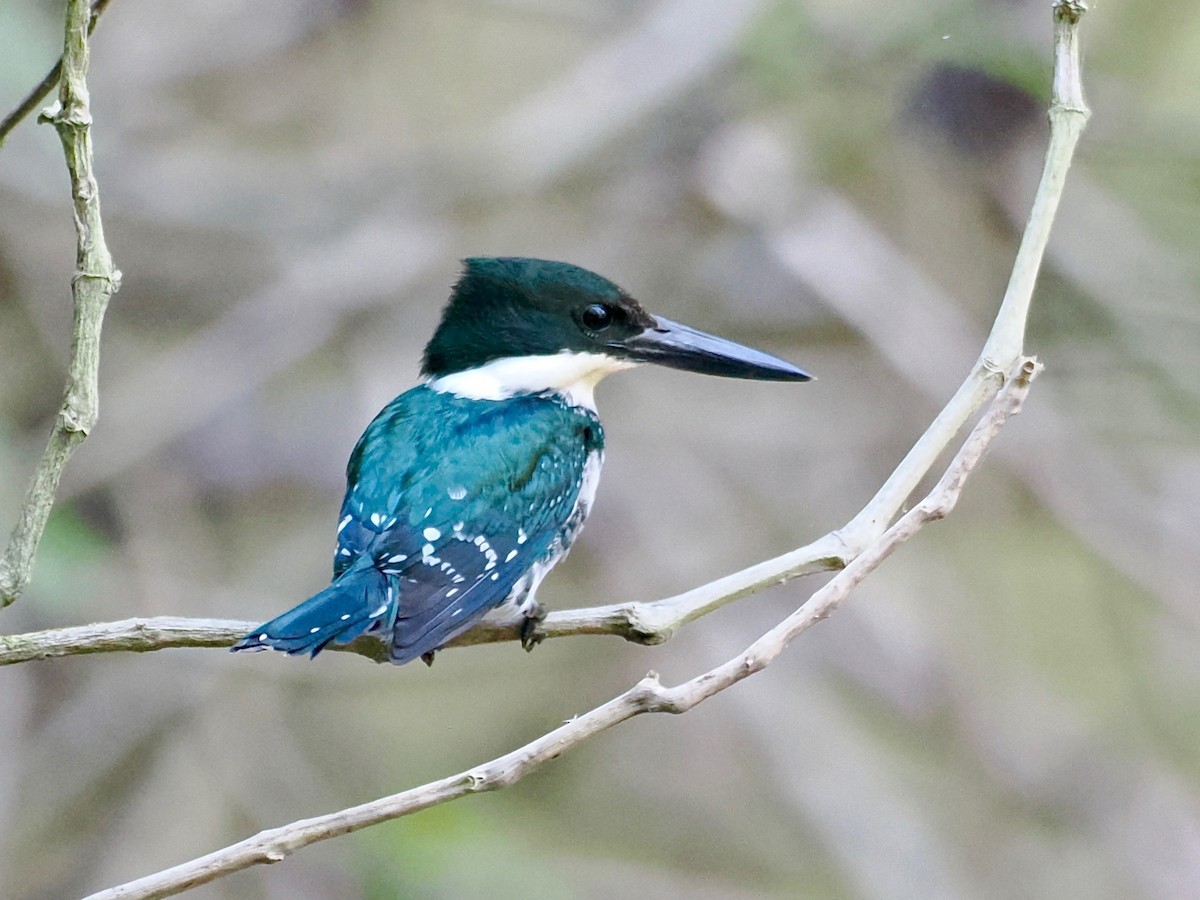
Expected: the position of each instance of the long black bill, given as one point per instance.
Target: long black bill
(681, 347)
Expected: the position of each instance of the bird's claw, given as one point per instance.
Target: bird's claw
(531, 627)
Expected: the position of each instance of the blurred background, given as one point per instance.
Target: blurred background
(1010, 707)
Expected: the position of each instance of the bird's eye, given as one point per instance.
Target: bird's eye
(596, 317)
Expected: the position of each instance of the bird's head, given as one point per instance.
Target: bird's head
(517, 325)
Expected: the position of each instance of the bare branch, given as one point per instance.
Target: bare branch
(644, 622)
(674, 47)
(46, 85)
(656, 621)
(647, 696)
(1007, 388)
(1068, 116)
(95, 281)
(136, 635)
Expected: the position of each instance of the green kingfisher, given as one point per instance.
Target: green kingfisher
(467, 489)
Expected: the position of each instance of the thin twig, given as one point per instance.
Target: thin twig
(46, 85)
(656, 621)
(95, 281)
(1068, 116)
(640, 622)
(647, 696)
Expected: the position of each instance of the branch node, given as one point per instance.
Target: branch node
(1069, 11)
(73, 421)
(1029, 369)
(934, 510)
(77, 117)
(870, 542)
(94, 282)
(993, 369)
(110, 282)
(642, 625)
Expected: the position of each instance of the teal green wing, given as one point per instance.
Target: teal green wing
(454, 501)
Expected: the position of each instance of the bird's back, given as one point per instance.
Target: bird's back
(451, 506)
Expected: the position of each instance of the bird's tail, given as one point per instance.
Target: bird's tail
(361, 599)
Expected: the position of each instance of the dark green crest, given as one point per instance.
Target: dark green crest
(513, 306)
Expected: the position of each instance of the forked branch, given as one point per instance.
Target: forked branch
(653, 622)
(647, 696)
(1000, 380)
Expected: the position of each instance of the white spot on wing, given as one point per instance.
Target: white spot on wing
(431, 533)
(457, 492)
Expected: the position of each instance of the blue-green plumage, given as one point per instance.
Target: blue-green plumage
(450, 504)
(464, 491)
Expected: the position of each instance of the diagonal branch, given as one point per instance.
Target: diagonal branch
(1002, 387)
(95, 281)
(653, 622)
(640, 622)
(647, 696)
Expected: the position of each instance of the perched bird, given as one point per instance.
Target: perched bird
(467, 489)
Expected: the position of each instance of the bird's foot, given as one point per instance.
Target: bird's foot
(531, 626)
(427, 657)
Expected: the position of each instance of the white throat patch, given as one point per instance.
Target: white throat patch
(573, 376)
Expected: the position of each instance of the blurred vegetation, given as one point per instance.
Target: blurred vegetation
(1009, 708)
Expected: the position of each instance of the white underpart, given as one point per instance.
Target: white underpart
(572, 375)
(589, 481)
(522, 597)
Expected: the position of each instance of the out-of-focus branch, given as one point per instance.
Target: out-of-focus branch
(46, 85)
(338, 274)
(656, 621)
(672, 48)
(647, 696)
(95, 281)
(645, 622)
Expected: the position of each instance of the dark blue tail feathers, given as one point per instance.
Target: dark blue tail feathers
(361, 599)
